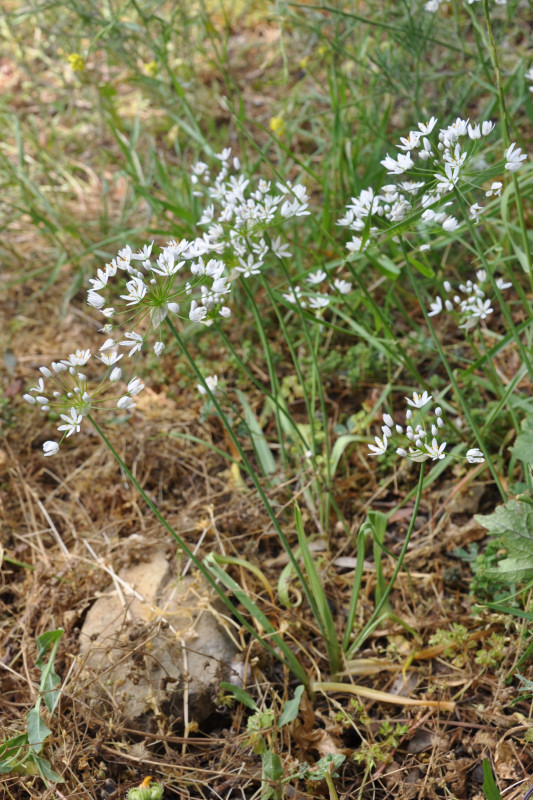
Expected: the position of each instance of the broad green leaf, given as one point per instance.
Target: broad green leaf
(38, 732)
(272, 766)
(513, 522)
(49, 677)
(290, 712)
(45, 770)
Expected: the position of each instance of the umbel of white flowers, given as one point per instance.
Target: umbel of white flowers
(418, 438)
(452, 156)
(67, 390)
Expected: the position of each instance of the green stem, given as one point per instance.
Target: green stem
(375, 618)
(331, 786)
(289, 658)
(251, 472)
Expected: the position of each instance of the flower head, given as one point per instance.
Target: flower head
(417, 438)
(70, 394)
(418, 400)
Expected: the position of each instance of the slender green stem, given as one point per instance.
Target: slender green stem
(331, 787)
(376, 616)
(250, 470)
(288, 657)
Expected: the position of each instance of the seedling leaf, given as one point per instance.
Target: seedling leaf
(290, 711)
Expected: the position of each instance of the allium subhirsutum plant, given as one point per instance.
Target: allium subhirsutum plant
(144, 295)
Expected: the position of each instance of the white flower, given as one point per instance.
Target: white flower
(487, 127)
(280, 249)
(197, 313)
(514, 158)
(410, 142)
(212, 384)
(115, 374)
(134, 339)
(342, 286)
(95, 300)
(475, 456)
(110, 358)
(135, 386)
(435, 450)
(316, 277)
(57, 366)
(295, 296)
(393, 167)
(137, 291)
(475, 212)
(320, 301)
(158, 348)
(427, 127)
(354, 244)
(436, 307)
(502, 284)
(450, 224)
(379, 448)
(417, 455)
(125, 403)
(50, 448)
(495, 189)
(418, 400)
(143, 254)
(72, 422)
(78, 359)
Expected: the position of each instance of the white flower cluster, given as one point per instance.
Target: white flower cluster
(153, 288)
(434, 5)
(311, 298)
(239, 214)
(469, 301)
(192, 278)
(451, 158)
(417, 439)
(70, 393)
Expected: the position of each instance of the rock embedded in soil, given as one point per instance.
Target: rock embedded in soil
(158, 659)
